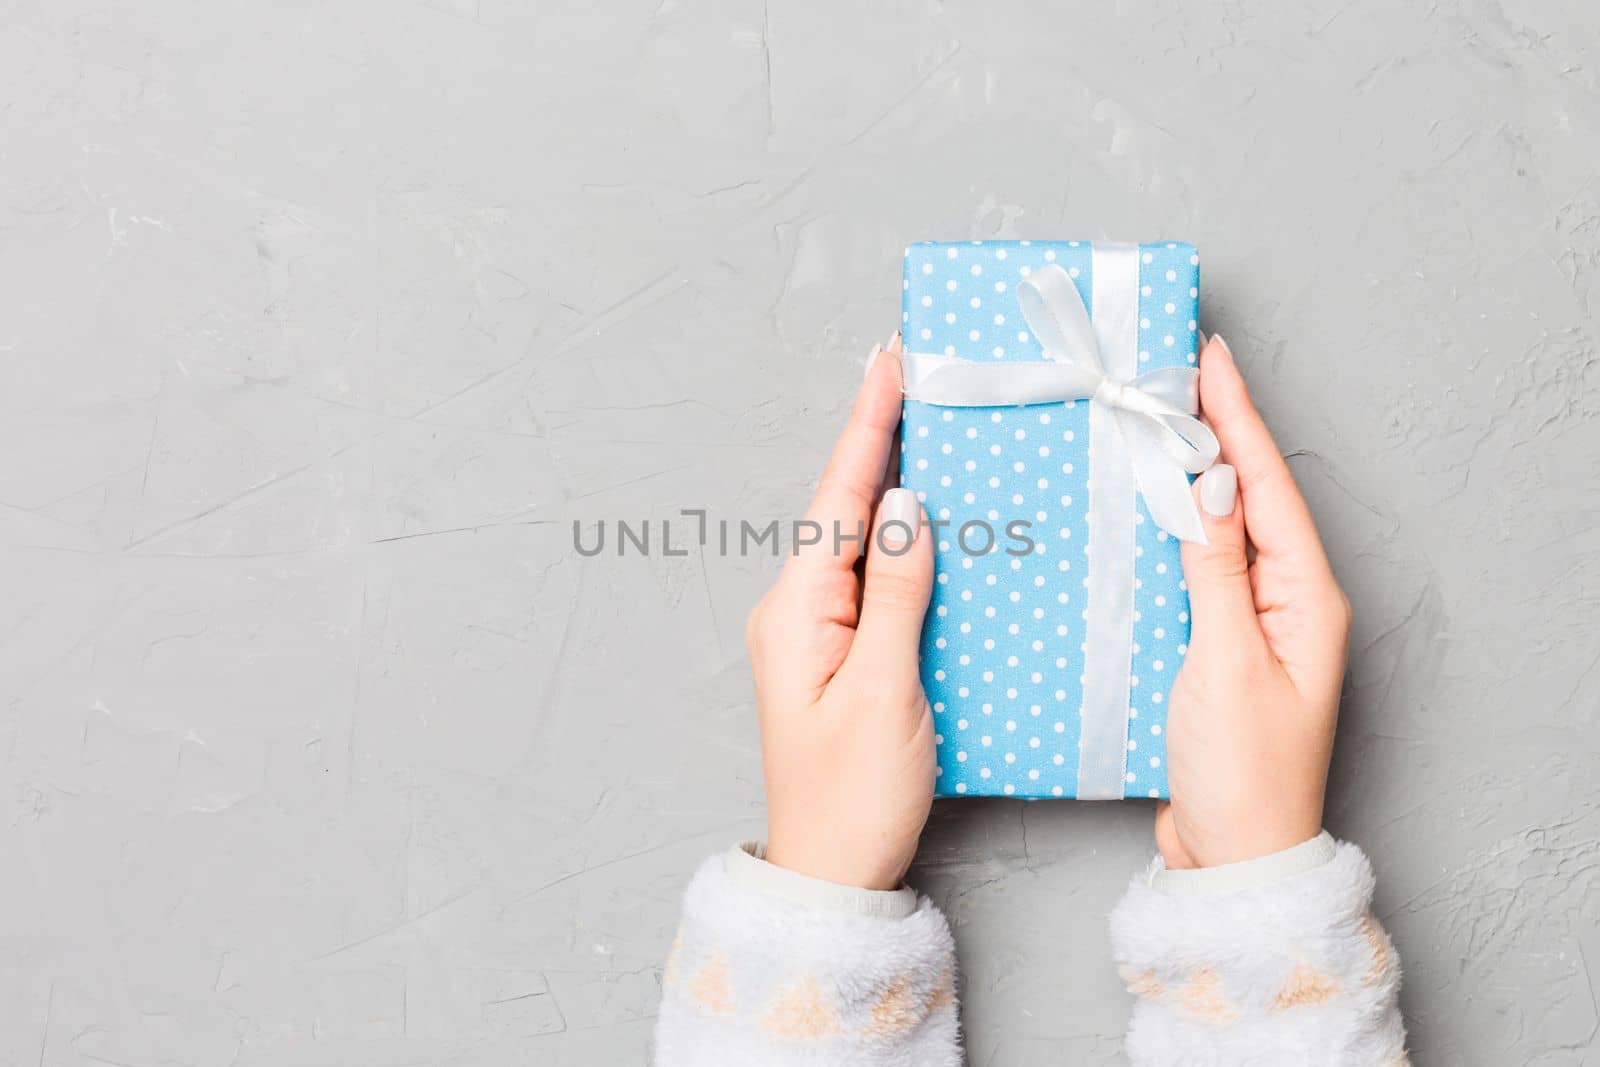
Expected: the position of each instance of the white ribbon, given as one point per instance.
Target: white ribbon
(1154, 413)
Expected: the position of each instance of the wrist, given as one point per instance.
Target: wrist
(1237, 849)
(1198, 837)
(1298, 858)
(831, 864)
(751, 865)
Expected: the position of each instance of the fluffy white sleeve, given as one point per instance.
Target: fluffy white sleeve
(772, 969)
(1230, 967)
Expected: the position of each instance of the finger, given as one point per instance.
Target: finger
(891, 469)
(1275, 514)
(1221, 603)
(841, 511)
(899, 581)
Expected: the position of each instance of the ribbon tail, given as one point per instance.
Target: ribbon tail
(1164, 486)
(1054, 310)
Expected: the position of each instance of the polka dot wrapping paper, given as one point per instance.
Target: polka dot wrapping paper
(1007, 488)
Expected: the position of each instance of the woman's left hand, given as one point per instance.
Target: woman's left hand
(846, 734)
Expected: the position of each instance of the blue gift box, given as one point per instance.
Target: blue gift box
(1009, 642)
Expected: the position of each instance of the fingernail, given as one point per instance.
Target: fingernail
(1219, 486)
(894, 343)
(1221, 343)
(1202, 338)
(872, 358)
(899, 519)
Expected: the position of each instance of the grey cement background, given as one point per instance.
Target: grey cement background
(319, 324)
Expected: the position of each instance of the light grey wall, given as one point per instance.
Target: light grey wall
(319, 745)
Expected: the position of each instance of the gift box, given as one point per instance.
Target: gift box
(1049, 431)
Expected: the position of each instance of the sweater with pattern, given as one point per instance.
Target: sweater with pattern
(1274, 961)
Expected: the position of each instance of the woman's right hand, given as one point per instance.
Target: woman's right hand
(846, 733)
(1252, 712)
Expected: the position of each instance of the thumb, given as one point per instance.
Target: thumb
(899, 581)
(1218, 573)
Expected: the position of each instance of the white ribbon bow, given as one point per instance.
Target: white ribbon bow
(1156, 413)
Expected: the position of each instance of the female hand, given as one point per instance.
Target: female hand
(846, 734)
(1252, 712)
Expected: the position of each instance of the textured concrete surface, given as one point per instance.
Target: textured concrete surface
(319, 743)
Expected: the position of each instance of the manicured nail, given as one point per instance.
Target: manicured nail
(872, 357)
(1219, 486)
(894, 343)
(899, 519)
(1202, 338)
(1222, 344)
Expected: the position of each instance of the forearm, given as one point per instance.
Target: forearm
(771, 969)
(1276, 961)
